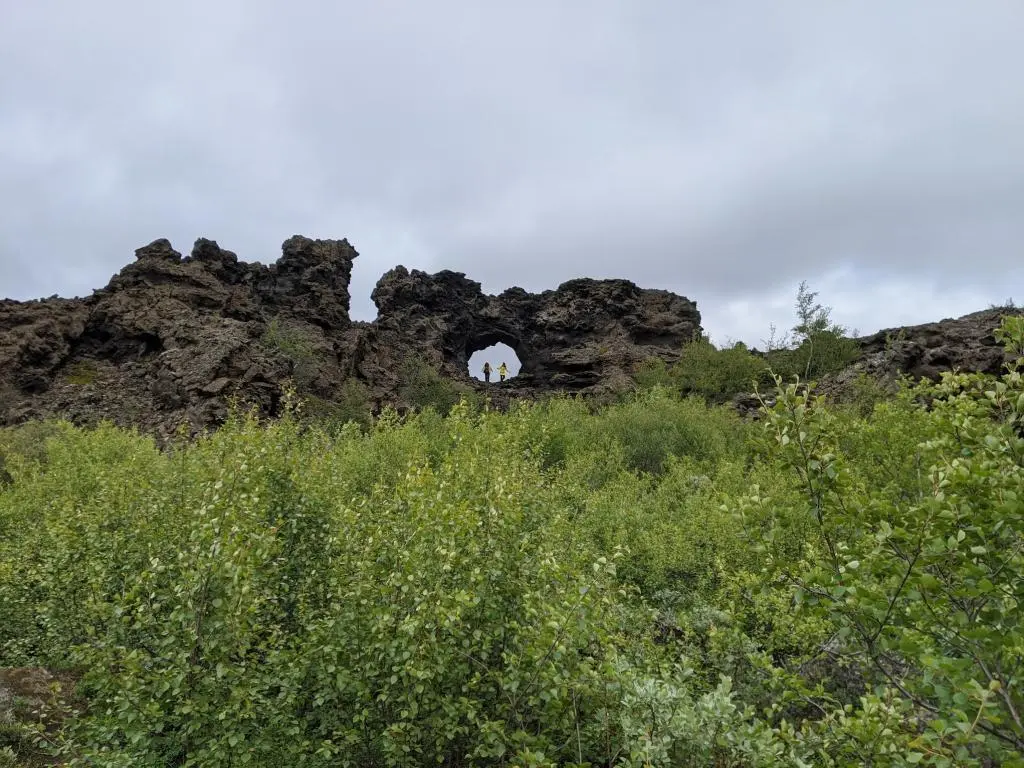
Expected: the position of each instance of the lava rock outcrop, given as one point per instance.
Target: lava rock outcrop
(583, 335)
(173, 338)
(965, 343)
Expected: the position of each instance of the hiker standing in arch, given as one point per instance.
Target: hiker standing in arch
(502, 372)
(487, 373)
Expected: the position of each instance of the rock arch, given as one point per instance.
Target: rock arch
(488, 337)
(172, 337)
(576, 337)
(175, 336)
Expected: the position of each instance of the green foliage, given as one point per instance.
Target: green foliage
(652, 427)
(287, 339)
(15, 738)
(818, 347)
(420, 385)
(651, 582)
(295, 344)
(821, 346)
(24, 443)
(666, 724)
(822, 353)
(653, 372)
(867, 392)
(718, 374)
(350, 404)
(353, 403)
(30, 440)
(81, 373)
(924, 576)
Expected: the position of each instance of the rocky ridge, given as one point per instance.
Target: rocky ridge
(925, 351)
(172, 338)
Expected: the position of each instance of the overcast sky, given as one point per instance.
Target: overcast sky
(723, 150)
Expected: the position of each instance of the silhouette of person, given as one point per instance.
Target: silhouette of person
(487, 372)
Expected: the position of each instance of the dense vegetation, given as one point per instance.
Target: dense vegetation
(814, 347)
(651, 583)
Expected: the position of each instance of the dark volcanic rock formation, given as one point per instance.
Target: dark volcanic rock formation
(585, 334)
(170, 339)
(966, 343)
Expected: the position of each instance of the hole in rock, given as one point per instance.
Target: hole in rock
(496, 354)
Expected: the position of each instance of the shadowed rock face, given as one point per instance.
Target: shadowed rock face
(171, 338)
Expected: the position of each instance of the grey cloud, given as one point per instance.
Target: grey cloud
(726, 150)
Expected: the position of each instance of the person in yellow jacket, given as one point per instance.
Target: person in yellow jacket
(502, 372)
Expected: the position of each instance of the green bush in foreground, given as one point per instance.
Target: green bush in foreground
(653, 583)
(926, 587)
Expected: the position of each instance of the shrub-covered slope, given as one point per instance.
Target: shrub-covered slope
(650, 583)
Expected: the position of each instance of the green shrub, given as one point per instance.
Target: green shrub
(866, 392)
(654, 426)
(353, 401)
(81, 373)
(296, 345)
(821, 345)
(420, 385)
(718, 374)
(821, 353)
(350, 404)
(923, 574)
(651, 582)
(653, 372)
(15, 739)
(25, 443)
